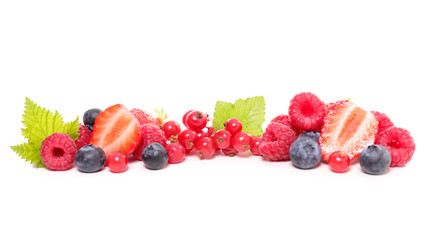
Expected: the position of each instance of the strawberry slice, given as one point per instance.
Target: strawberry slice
(347, 128)
(116, 129)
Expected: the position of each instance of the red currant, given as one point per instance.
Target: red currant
(117, 162)
(233, 125)
(222, 139)
(205, 147)
(176, 152)
(184, 118)
(199, 136)
(230, 151)
(339, 162)
(196, 120)
(171, 129)
(242, 141)
(255, 146)
(187, 138)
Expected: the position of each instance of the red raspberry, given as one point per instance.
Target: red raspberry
(142, 116)
(150, 133)
(384, 121)
(285, 119)
(84, 136)
(307, 111)
(58, 151)
(276, 142)
(399, 143)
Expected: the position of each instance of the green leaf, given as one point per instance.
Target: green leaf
(71, 128)
(29, 152)
(250, 111)
(39, 123)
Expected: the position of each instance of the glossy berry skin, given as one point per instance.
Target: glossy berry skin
(155, 156)
(305, 153)
(184, 118)
(375, 159)
(171, 128)
(339, 162)
(205, 147)
(176, 152)
(117, 162)
(187, 138)
(242, 141)
(196, 121)
(89, 117)
(230, 151)
(233, 126)
(222, 139)
(90, 158)
(255, 146)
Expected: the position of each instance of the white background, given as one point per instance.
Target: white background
(179, 55)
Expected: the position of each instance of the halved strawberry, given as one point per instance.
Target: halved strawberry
(116, 129)
(347, 128)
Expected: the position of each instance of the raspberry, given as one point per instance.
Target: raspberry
(307, 111)
(285, 119)
(150, 133)
(84, 136)
(142, 116)
(399, 143)
(276, 142)
(58, 151)
(384, 121)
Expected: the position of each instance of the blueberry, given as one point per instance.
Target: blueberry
(311, 134)
(305, 153)
(90, 158)
(155, 156)
(375, 159)
(90, 116)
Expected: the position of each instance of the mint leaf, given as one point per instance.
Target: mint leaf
(250, 111)
(39, 123)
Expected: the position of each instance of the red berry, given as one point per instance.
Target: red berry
(142, 116)
(171, 129)
(384, 121)
(210, 131)
(233, 126)
(205, 147)
(339, 162)
(176, 152)
(187, 138)
(83, 136)
(230, 151)
(307, 111)
(184, 118)
(255, 146)
(222, 139)
(196, 120)
(276, 142)
(242, 141)
(117, 162)
(116, 129)
(347, 128)
(399, 143)
(58, 151)
(150, 133)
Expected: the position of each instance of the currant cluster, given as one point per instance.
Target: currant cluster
(231, 140)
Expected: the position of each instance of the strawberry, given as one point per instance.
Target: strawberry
(116, 129)
(347, 128)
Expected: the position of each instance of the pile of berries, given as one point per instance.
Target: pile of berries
(337, 133)
(312, 132)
